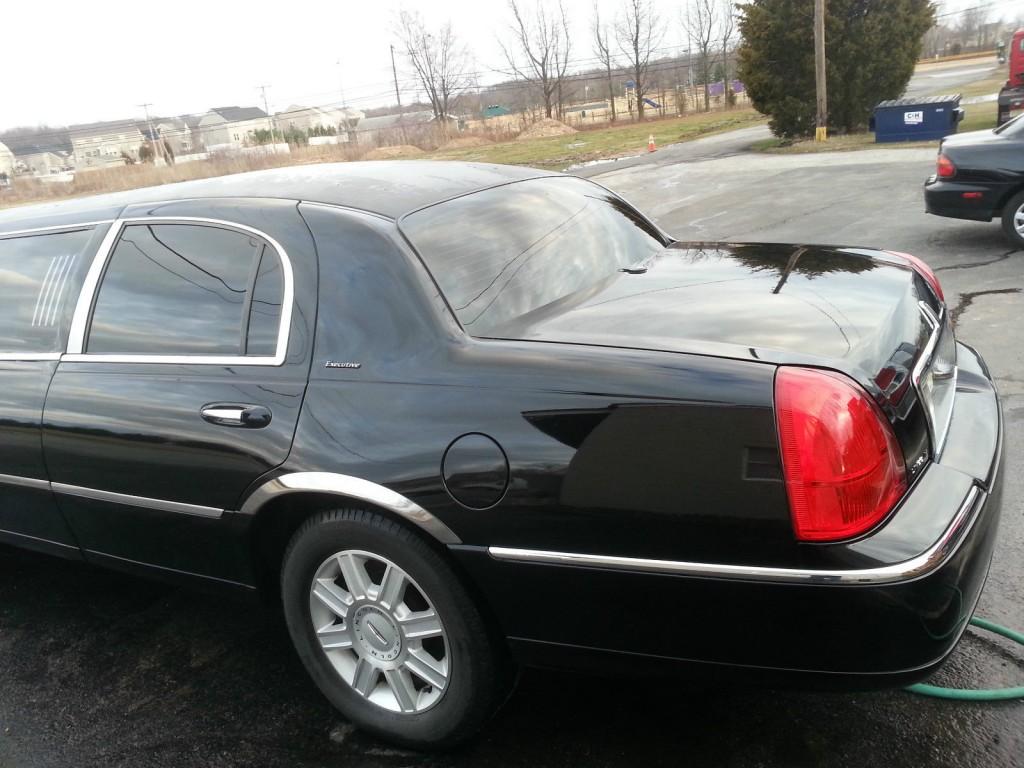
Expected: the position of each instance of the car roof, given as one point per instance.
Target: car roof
(389, 188)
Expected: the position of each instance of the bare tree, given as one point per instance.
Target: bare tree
(700, 21)
(604, 54)
(438, 59)
(543, 38)
(972, 26)
(725, 30)
(637, 33)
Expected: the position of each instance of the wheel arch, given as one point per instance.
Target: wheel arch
(279, 506)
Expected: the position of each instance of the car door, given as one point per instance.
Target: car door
(41, 272)
(187, 363)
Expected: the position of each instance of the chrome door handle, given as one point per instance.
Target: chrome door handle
(231, 415)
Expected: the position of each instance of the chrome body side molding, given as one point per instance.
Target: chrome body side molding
(25, 482)
(908, 570)
(355, 488)
(136, 501)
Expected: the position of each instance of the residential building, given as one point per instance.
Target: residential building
(172, 131)
(42, 152)
(231, 127)
(103, 145)
(43, 163)
(341, 120)
(394, 129)
(6, 161)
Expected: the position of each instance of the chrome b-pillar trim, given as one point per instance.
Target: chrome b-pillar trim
(355, 488)
(908, 570)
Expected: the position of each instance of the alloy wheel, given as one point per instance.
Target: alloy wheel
(380, 631)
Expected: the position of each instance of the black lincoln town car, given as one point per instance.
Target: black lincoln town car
(461, 417)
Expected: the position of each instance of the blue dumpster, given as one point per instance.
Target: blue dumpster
(922, 119)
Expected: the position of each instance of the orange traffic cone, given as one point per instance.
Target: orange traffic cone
(650, 143)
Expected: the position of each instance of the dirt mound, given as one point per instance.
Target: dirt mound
(464, 142)
(544, 128)
(392, 153)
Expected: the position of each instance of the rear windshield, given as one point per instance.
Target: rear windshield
(507, 251)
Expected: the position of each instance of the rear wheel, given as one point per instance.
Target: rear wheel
(388, 632)
(1013, 219)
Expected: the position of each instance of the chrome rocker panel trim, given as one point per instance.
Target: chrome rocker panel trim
(908, 570)
(355, 488)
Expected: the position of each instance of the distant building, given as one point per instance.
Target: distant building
(395, 129)
(342, 120)
(6, 160)
(494, 110)
(41, 153)
(173, 131)
(231, 127)
(103, 145)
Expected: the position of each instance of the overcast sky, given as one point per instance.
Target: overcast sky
(86, 60)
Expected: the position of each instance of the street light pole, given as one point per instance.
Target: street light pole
(266, 108)
(821, 124)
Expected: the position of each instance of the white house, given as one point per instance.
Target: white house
(231, 127)
(6, 160)
(103, 145)
(342, 120)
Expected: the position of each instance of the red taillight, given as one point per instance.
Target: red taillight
(924, 271)
(843, 467)
(944, 168)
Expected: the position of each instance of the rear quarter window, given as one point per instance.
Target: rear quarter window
(40, 276)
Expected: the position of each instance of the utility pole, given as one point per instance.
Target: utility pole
(341, 82)
(821, 126)
(394, 73)
(398, 96)
(270, 121)
(157, 154)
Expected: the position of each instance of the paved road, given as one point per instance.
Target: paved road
(99, 669)
(928, 79)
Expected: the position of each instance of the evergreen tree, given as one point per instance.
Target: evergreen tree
(871, 47)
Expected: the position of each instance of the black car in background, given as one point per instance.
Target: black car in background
(459, 417)
(980, 176)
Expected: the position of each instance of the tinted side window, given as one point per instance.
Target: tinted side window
(37, 284)
(175, 289)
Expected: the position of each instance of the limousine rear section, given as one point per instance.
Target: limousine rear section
(457, 417)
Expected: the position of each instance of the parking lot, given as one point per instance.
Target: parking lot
(103, 669)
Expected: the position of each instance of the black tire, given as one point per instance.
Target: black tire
(478, 672)
(1013, 205)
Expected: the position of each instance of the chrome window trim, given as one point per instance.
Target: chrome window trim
(29, 356)
(354, 488)
(55, 229)
(136, 501)
(908, 570)
(87, 298)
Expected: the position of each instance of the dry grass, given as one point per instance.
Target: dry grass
(559, 152)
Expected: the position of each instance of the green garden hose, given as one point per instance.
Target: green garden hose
(967, 694)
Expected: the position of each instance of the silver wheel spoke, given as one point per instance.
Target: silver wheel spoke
(401, 685)
(328, 593)
(427, 668)
(334, 637)
(365, 678)
(421, 625)
(394, 657)
(392, 587)
(354, 571)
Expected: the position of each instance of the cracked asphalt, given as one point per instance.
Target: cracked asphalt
(100, 669)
